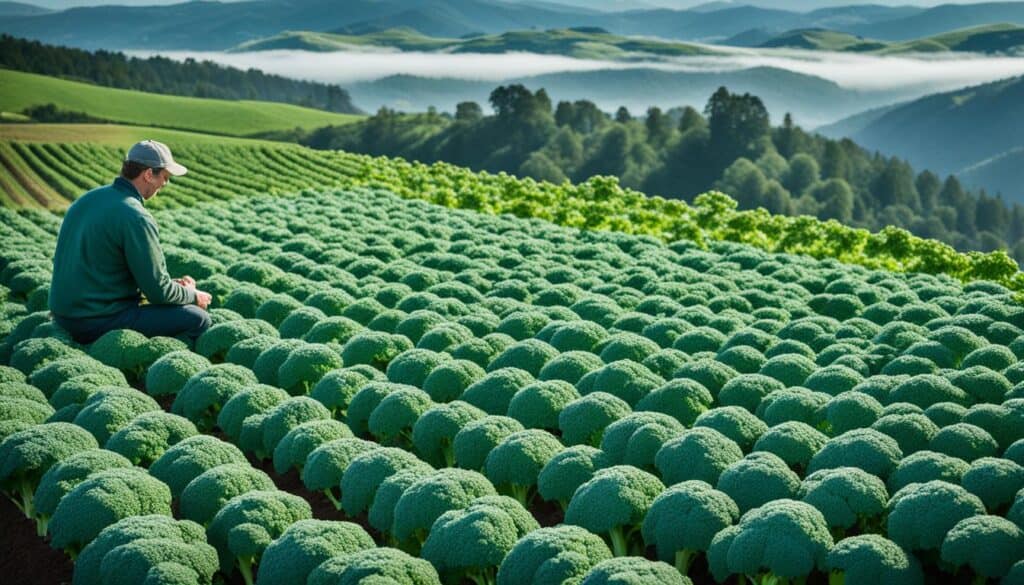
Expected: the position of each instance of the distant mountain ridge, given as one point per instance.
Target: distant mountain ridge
(211, 25)
(1003, 38)
(984, 122)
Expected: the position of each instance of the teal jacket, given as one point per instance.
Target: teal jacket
(108, 252)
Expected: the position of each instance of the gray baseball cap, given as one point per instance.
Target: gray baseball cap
(155, 154)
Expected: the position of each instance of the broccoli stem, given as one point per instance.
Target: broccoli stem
(979, 580)
(620, 546)
(245, 568)
(42, 524)
(449, 454)
(24, 499)
(836, 578)
(334, 500)
(683, 560)
(521, 493)
(484, 576)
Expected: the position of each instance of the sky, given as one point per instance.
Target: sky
(603, 4)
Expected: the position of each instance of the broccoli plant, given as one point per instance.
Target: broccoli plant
(614, 503)
(110, 409)
(758, 478)
(636, 438)
(391, 421)
(450, 379)
(995, 481)
(291, 452)
(101, 500)
(247, 524)
(965, 441)
(912, 432)
(684, 519)
(870, 559)
(336, 389)
(368, 470)
(851, 410)
(475, 441)
(625, 379)
(305, 545)
(185, 461)
(381, 515)
(26, 455)
(326, 464)
(412, 367)
(287, 415)
(538, 405)
(514, 464)
(848, 497)
(735, 423)
(158, 560)
(433, 434)
(583, 421)
(147, 436)
(305, 366)
(495, 390)
(161, 527)
(205, 393)
(794, 442)
(568, 470)
(374, 348)
(868, 449)
(921, 514)
(472, 542)
(64, 475)
(925, 466)
(552, 556)
(205, 495)
(254, 399)
(427, 499)
(783, 541)
(989, 545)
(697, 453)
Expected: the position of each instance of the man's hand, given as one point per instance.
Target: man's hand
(203, 299)
(186, 281)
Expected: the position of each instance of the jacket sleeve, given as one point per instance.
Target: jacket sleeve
(148, 267)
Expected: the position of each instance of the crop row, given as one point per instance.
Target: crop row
(52, 174)
(645, 388)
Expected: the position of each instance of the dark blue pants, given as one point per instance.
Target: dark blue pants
(188, 321)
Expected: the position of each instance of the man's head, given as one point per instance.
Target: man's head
(149, 165)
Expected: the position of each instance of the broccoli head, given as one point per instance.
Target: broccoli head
(868, 449)
(49, 377)
(101, 500)
(870, 559)
(374, 348)
(921, 514)
(514, 463)
(253, 399)
(287, 415)
(434, 432)
(374, 565)
(550, 556)
(794, 442)
(965, 441)
(851, 410)
(217, 340)
(291, 452)
(185, 461)
(493, 392)
(681, 398)
(583, 421)
(450, 379)
(26, 455)
(382, 511)
(989, 545)
(757, 479)
(326, 464)
(412, 367)
(335, 329)
(529, 354)
(747, 390)
(912, 432)
(336, 389)
(122, 349)
(568, 470)
(205, 495)
(32, 354)
(793, 404)
(246, 525)
(698, 453)
(205, 393)
(110, 409)
(636, 438)
(304, 367)
(63, 476)
(269, 361)
(782, 540)
(614, 503)
(633, 570)
(625, 379)
(475, 441)
(363, 403)
(155, 560)
(168, 375)
(734, 422)
(925, 390)
(472, 541)
(392, 419)
(538, 404)
(995, 481)
(848, 497)
(131, 529)
(925, 466)
(366, 471)
(147, 436)
(426, 500)
(684, 519)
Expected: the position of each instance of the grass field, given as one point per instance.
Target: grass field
(237, 118)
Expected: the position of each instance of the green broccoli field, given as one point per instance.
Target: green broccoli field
(541, 393)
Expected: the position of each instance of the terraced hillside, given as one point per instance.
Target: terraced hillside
(504, 400)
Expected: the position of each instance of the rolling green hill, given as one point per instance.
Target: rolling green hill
(583, 43)
(19, 91)
(1004, 38)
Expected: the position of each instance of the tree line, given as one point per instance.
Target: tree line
(730, 146)
(157, 74)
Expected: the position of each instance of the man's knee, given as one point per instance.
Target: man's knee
(199, 320)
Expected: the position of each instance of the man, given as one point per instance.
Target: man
(108, 251)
